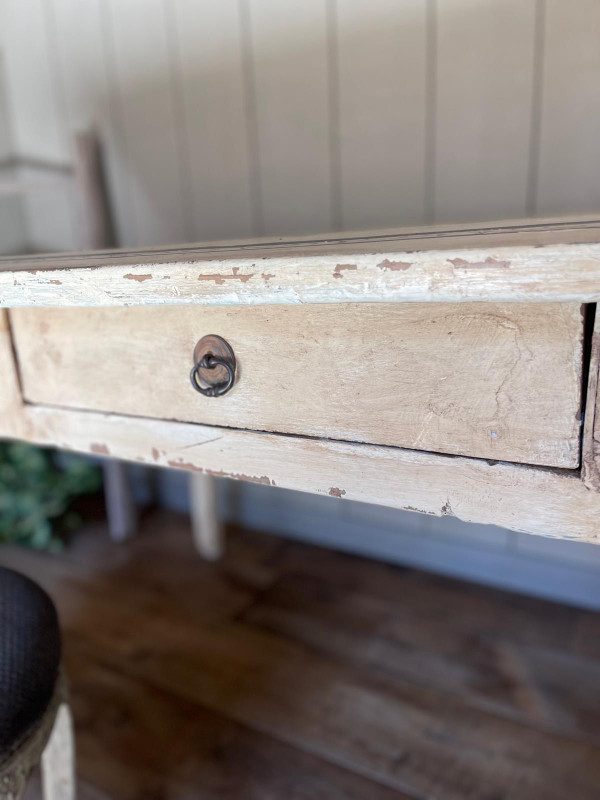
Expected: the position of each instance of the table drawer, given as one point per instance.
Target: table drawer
(497, 381)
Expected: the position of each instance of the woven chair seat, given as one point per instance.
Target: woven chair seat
(30, 652)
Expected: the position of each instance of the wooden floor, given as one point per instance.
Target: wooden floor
(291, 672)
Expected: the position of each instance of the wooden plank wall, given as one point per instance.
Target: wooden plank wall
(12, 228)
(249, 117)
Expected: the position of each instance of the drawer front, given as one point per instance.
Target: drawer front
(498, 381)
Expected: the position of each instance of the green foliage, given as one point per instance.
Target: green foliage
(36, 494)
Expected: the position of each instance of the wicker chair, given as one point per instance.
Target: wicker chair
(35, 720)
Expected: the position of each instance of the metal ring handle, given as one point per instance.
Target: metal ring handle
(218, 389)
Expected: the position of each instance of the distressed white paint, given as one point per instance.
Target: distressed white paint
(341, 274)
(534, 500)
(517, 497)
(58, 758)
(11, 403)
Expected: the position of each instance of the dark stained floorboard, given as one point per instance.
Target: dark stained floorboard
(287, 671)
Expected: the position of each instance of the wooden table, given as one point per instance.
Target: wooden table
(443, 370)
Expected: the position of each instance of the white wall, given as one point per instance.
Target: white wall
(247, 117)
(12, 217)
(239, 117)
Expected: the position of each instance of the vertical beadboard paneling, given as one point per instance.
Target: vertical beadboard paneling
(289, 55)
(36, 121)
(139, 42)
(227, 119)
(382, 72)
(206, 46)
(80, 32)
(12, 226)
(484, 86)
(6, 149)
(31, 94)
(569, 165)
(12, 220)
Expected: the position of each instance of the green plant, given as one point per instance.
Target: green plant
(37, 492)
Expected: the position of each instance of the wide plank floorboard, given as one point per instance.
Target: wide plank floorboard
(291, 671)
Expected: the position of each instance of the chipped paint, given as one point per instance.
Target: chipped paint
(520, 273)
(460, 263)
(239, 476)
(181, 464)
(447, 509)
(419, 510)
(335, 492)
(339, 268)
(99, 449)
(56, 283)
(394, 266)
(220, 279)
(219, 473)
(155, 454)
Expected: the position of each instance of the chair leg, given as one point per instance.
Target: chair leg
(58, 759)
(206, 527)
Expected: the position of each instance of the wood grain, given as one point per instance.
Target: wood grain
(522, 498)
(532, 500)
(542, 261)
(11, 417)
(591, 432)
(168, 702)
(507, 654)
(489, 381)
(165, 745)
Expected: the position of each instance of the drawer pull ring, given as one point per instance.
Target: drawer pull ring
(213, 353)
